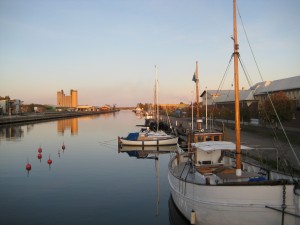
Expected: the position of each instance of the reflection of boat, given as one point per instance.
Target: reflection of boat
(211, 184)
(150, 149)
(150, 153)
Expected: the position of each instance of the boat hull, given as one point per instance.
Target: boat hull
(161, 142)
(234, 205)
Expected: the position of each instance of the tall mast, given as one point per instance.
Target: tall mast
(156, 100)
(237, 98)
(197, 98)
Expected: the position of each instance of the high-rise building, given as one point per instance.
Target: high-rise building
(67, 101)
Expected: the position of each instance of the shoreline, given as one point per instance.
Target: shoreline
(46, 116)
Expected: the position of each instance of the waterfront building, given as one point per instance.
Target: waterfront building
(10, 106)
(290, 86)
(256, 95)
(105, 107)
(70, 101)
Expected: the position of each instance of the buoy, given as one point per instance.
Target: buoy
(40, 156)
(40, 149)
(28, 167)
(63, 147)
(193, 217)
(49, 162)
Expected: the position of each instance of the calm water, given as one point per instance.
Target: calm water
(87, 183)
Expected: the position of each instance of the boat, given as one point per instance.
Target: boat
(212, 184)
(147, 137)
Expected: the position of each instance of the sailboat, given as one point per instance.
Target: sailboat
(211, 184)
(146, 137)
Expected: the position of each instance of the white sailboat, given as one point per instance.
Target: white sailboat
(212, 185)
(145, 137)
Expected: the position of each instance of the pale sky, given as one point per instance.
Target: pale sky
(107, 50)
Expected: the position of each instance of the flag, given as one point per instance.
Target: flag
(194, 78)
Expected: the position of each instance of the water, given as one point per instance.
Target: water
(89, 182)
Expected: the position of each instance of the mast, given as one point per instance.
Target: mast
(156, 100)
(206, 108)
(237, 97)
(197, 98)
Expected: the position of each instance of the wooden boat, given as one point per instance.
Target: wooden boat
(212, 184)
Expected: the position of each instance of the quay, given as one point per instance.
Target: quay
(47, 116)
(266, 145)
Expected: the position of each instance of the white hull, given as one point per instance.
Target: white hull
(158, 142)
(233, 205)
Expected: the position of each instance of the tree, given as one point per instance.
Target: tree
(282, 105)
(245, 113)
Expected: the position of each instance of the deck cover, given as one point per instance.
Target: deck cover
(217, 145)
(133, 136)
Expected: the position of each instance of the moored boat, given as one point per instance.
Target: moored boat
(213, 184)
(148, 138)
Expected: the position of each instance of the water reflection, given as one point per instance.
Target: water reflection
(103, 182)
(69, 124)
(175, 216)
(153, 153)
(11, 133)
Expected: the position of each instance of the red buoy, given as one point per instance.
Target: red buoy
(63, 146)
(28, 167)
(49, 161)
(40, 156)
(40, 149)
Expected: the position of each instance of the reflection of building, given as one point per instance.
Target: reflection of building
(71, 124)
(67, 101)
(11, 133)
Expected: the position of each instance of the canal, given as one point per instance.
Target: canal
(90, 182)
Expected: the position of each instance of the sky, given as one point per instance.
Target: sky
(107, 50)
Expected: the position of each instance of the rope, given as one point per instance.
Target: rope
(283, 206)
(276, 114)
(222, 83)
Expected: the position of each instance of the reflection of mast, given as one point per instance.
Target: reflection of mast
(157, 183)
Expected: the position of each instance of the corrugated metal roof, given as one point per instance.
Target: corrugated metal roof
(226, 96)
(258, 89)
(277, 85)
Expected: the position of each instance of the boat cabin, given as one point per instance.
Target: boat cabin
(212, 152)
(207, 136)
